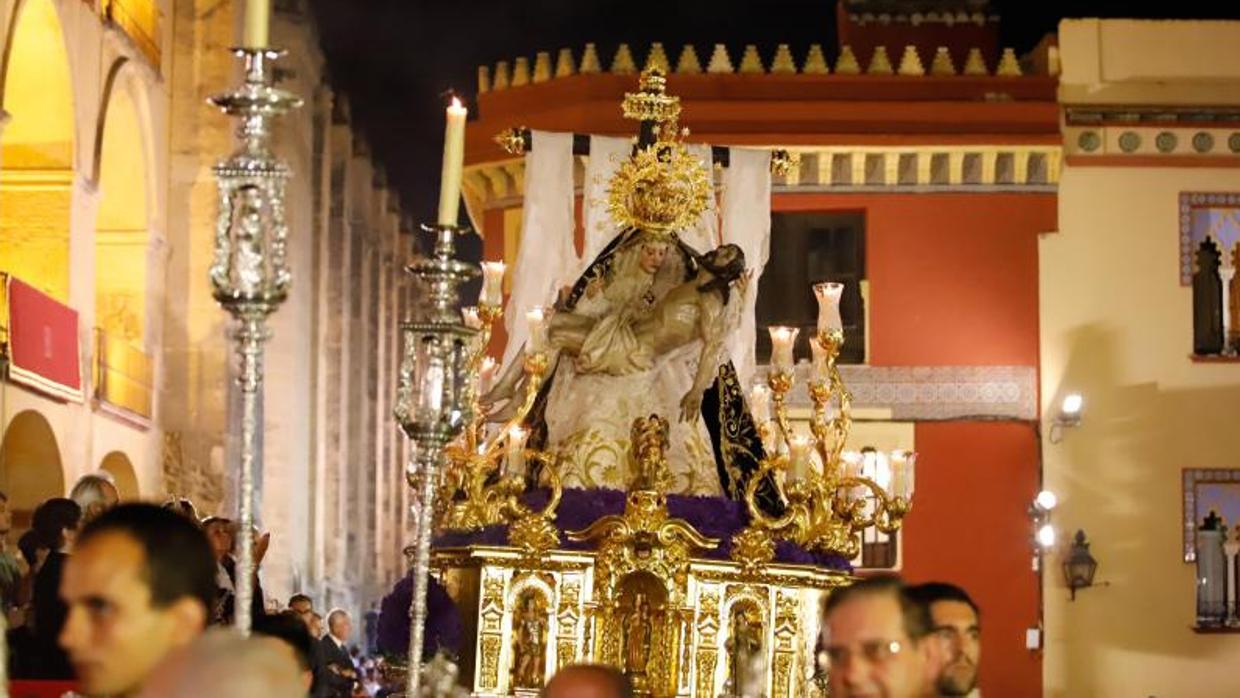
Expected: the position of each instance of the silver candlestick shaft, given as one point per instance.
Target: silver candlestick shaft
(434, 402)
(249, 277)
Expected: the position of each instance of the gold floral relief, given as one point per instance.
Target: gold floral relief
(781, 682)
(491, 645)
(707, 657)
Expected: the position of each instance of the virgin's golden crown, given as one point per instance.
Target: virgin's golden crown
(662, 187)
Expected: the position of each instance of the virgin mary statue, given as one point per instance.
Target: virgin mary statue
(642, 332)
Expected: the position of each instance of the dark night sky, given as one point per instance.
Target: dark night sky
(395, 58)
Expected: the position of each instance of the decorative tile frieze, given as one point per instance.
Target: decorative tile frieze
(937, 392)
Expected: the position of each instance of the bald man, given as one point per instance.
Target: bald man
(222, 663)
(588, 681)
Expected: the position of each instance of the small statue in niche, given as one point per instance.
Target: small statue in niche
(637, 636)
(746, 659)
(530, 647)
(248, 255)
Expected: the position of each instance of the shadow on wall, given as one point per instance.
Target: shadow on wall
(1119, 477)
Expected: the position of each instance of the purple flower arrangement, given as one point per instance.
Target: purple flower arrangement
(716, 517)
(443, 621)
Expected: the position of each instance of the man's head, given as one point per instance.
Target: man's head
(222, 663)
(301, 604)
(139, 585)
(95, 493)
(588, 681)
(288, 632)
(955, 619)
(56, 522)
(339, 624)
(315, 624)
(873, 636)
(221, 534)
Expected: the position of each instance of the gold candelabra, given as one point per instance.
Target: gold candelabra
(830, 496)
(486, 474)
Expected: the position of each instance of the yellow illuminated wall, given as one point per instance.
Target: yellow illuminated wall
(37, 176)
(121, 226)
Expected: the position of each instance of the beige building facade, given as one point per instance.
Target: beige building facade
(1151, 113)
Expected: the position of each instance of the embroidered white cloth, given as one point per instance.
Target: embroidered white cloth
(606, 155)
(705, 235)
(747, 223)
(546, 257)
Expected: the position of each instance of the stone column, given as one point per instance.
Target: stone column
(84, 209)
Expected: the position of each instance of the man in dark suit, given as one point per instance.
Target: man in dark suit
(338, 673)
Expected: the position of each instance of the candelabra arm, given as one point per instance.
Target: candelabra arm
(780, 382)
(535, 367)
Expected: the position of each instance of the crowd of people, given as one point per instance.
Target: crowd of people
(118, 597)
(122, 598)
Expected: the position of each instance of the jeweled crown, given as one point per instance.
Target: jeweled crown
(661, 187)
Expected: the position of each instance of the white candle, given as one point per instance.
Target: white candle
(430, 392)
(852, 469)
(760, 404)
(492, 284)
(902, 463)
(782, 340)
(828, 294)
(537, 319)
(486, 372)
(798, 457)
(257, 29)
(453, 162)
(470, 315)
(820, 359)
(516, 450)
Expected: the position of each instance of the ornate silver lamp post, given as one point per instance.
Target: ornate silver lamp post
(249, 277)
(434, 402)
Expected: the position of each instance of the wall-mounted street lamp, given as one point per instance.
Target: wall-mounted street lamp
(1079, 566)
(1069, 415)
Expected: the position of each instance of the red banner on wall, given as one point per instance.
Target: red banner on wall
(43, 342)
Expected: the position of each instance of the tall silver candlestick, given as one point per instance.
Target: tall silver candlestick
(249, 277)
(434, 402)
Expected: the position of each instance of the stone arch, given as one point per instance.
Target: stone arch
(118, 465)
(121, 169)
(31, 470)
(37, 145)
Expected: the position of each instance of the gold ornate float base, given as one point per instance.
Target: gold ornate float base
(708, 631)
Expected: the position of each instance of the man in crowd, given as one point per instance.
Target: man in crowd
(588, 681)
(11, 568)
(956, 620)
(877, 641)
(95, 493)
(302, 605)
(222, 533)
(138, 586)
(338, 674)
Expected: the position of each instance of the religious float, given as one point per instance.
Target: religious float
(618, 495)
